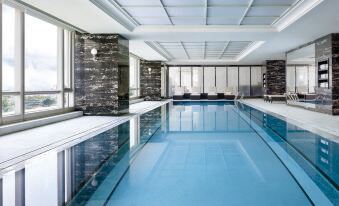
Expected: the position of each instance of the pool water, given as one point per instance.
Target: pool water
(208, 156)
(205, 153)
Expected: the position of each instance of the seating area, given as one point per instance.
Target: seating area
(195, 93)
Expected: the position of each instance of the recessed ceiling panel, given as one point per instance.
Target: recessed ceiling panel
(274, 2)
(154, 21)
(258, 21)
(146, 12)
(267, 11)
(188, 21)
(205, 50)
(223, 21)
(183, 2)
(228, 2)
(138, 2)
(185, 11)
(226, 11)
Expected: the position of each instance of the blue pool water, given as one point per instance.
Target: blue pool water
(205, 153)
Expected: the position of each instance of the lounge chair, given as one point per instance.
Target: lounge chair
(275, 97)
(212, 93)
(229, 93)
(178, 93)
(195, 95)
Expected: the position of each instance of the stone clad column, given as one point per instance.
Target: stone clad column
(101, 81)
(150, 80)
(327, 48)
(275, 77)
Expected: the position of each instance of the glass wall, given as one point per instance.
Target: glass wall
(232, 78)
(243, 79)
(311, 79)
(221, 79)
(186, 78)
(173, 79)
(197, 77)
(134, 77)
(290, 78)
(36, 66)
(209, 78)
(256, 81)
(300, 78)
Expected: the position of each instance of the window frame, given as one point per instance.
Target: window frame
(137, 76)
(62, 65)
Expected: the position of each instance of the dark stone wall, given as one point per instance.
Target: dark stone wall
(150, 82)
(101, 85)
(335, 74)
(327, 48)
(323, 52)
(275, 77)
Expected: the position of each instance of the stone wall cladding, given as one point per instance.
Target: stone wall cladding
(323, 52)
(276, 77)
(335, 74)
(100, 85)
(150, 82)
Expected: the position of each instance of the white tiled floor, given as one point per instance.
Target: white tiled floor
(19, 146)
(325, 125)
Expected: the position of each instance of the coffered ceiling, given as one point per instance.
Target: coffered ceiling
(203, 31)
(205, 12)
(208, 50)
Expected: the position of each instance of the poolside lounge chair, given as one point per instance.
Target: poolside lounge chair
(195, 95)
(178, 93)
(229, 93)
(212, 93)
(274, 97)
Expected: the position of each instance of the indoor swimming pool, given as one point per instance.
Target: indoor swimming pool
(195, 153)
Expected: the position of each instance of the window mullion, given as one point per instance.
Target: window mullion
(60, 66)
(20, 62)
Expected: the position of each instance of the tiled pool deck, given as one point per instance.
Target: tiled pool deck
(323, 124)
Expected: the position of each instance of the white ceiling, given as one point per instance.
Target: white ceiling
(225, 50)
(294, 24)
(205, 12)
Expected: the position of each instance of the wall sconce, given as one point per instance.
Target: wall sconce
(94, 53)
(149, 70)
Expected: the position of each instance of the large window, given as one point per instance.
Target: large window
(36, 66)
(209, 79)
(134, 74)
(221, 79)
(186, 78)
(174, 79)
(256, 81)
(197, 78)
(8, 64)
(247, 80)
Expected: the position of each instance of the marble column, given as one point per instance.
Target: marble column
(275, 77)
(101, 81)
(150, 80)
(327, 48)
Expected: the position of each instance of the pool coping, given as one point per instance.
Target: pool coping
(322, 132)
(18, 162)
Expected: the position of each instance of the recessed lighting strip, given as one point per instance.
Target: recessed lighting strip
(117, 13)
